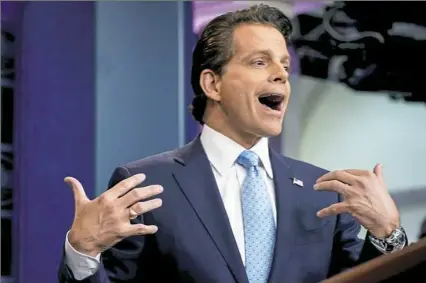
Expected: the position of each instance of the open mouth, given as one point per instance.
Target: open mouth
(271, 100)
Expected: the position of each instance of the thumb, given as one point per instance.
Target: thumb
(80, 196)
(378, 171)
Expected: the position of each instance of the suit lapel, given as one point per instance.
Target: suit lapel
(286, 198)
(196, 179)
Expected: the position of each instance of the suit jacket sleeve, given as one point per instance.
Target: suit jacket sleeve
(348, 249)
(121, 262)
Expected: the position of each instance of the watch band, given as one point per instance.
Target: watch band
(395, 242)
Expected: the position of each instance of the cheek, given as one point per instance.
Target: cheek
(236, 93)
(241, 80)
(238, 106)
(238, 102)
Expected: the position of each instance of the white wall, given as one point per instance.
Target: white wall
(338, 128)
(348, 129)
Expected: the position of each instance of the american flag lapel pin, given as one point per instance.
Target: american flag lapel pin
(297, 182)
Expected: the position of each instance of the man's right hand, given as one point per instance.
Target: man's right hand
(101, 223)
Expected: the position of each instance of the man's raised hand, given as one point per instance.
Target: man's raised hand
(101, 223)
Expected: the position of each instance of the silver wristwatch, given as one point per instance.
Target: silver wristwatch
(395, 242)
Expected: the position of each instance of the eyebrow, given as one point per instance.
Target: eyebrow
(267, 52)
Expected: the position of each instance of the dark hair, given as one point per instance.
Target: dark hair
(214, 48)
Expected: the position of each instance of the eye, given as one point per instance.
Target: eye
(287, 68)
(259, 62)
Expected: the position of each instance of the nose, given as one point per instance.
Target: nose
(278, 74)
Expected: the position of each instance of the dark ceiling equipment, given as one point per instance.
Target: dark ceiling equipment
(369, 46)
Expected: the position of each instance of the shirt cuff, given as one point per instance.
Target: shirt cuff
(81, 265)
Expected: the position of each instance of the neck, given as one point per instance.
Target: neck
(246, 140)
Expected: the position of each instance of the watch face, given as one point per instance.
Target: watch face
(389, 248)
(396, 238)
(392, 238)
(395, 242)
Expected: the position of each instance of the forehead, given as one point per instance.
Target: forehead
(249, 38)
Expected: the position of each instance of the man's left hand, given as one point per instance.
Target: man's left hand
(365, 197)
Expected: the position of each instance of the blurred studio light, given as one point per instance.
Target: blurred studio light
(369, 46)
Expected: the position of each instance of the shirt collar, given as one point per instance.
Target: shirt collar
(222, 152)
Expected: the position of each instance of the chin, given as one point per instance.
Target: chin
(274, 133)
(272, 130)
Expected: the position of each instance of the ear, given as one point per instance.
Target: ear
(210, 83)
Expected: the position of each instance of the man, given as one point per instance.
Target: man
(232, 209)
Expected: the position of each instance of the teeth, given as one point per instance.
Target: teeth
(270, 94)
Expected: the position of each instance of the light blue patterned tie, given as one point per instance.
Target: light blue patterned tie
(259, 224)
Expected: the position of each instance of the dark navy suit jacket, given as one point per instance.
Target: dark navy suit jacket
(195, 242)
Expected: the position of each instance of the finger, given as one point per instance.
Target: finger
(80, 196)
(133, 214)
(378, 171)
(140, 229)
(334, 209)
(126, 185)
(139, 194)
(357, 172)
(146, 206)
(333, 186)
(340, 175)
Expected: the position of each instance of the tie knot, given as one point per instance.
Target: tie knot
(248, 159)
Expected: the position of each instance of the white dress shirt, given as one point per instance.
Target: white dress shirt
(222, 152)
